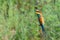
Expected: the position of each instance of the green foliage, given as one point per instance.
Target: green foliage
(18, 20)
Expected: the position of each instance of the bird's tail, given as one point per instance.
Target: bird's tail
(42, 26)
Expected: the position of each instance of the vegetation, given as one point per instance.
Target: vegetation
(18, 20)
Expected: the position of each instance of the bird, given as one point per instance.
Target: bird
(40, 18)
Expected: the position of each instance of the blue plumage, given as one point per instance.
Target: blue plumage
(42, 26)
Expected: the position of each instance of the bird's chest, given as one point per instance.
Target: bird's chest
(41, 19)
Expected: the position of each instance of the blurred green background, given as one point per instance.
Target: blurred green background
(18, 20)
